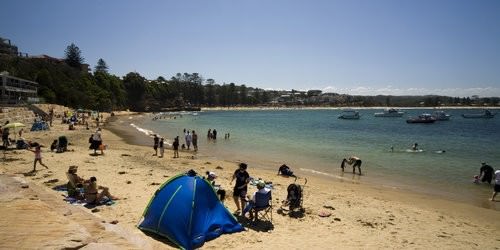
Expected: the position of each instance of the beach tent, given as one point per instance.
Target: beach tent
(186, 210)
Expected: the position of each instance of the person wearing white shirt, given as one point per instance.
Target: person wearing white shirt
(496, 188)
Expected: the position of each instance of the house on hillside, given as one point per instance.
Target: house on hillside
(14, 90)
(7, 48)
(83, 67)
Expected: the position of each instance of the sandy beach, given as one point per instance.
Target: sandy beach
(361, 216)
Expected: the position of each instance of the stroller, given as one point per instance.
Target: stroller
(294, 198)
(62, 145)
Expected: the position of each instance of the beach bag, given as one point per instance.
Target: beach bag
(90, 139)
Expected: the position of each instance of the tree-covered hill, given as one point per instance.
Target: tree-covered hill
(66, 82)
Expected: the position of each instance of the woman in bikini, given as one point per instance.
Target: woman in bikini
(92, 194)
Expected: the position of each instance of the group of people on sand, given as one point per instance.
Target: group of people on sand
(86, 190)
(244, 203)
(158, 143)
(190, 138)
(486, 174)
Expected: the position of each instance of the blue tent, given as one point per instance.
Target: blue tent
(186, 210)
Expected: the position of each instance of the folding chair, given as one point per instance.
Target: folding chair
(263, 206)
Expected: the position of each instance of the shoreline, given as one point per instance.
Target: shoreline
(135, 137)
(340, 108)
(361, 215)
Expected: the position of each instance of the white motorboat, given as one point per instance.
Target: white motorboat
(392, 112)
(423, 118)
(349, 114)
(441, 115)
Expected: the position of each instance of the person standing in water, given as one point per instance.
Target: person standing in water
(354, 161)
(486, 173)
(194, 137)
(189, 139)
(496, 188)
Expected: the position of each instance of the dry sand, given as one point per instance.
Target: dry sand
(362, 216)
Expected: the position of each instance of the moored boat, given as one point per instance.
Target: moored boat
(392, 112)
(485, 114)
(441, 115)
(349, 114)
(423, 118)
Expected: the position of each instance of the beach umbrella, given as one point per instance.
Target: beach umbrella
(13, 125)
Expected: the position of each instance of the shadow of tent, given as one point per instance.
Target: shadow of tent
(160, 238)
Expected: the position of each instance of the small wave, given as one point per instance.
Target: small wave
(149, 133)
(172, 115)
(321, 173)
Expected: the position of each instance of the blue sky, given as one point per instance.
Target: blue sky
(369, 47)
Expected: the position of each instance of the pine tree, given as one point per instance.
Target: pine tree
(101, 66)
(73, 56)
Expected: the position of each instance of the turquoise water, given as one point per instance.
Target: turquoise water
(315, 141)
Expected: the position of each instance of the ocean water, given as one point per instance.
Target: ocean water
(316, 141)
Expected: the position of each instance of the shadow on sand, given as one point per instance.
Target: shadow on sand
(297, 213)
(256, 225)
(161, 239)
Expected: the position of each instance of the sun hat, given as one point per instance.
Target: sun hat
(261, 184)
(212, 175)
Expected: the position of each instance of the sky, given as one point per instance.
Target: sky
(359, 47)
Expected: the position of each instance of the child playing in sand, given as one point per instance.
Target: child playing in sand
(38, 157)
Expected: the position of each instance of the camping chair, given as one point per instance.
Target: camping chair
(263, 205)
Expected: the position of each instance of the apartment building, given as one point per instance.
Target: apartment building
(14, 90)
